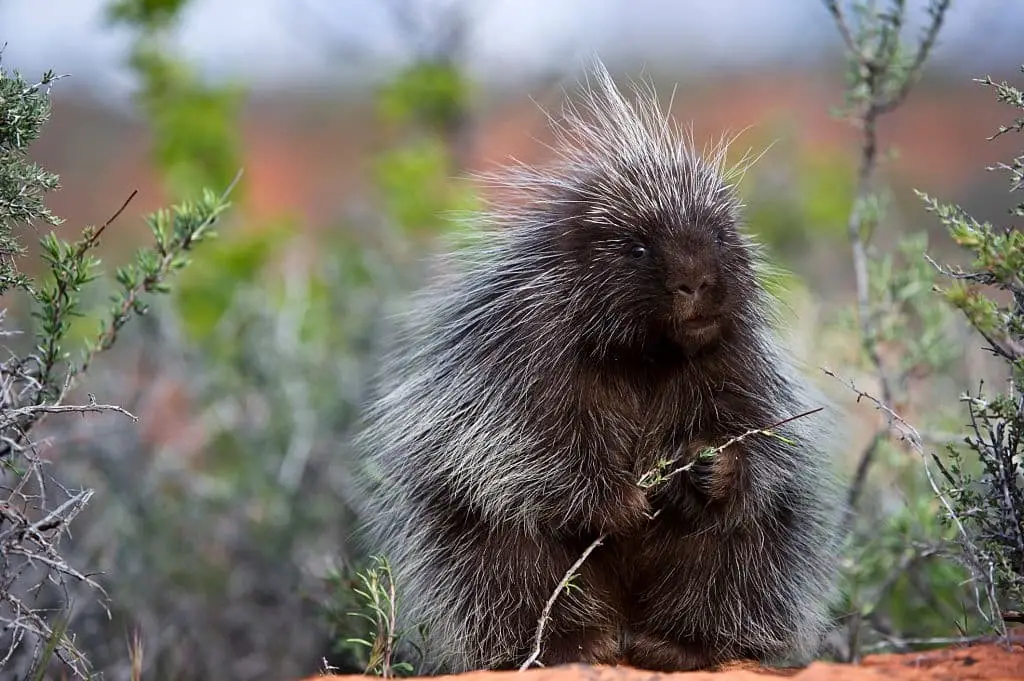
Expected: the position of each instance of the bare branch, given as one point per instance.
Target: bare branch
(545, 614)
(11, 416)
(839, 16)
(907, 643)
(95, 236)
(937, 13)
(867, 458)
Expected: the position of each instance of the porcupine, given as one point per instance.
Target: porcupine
(609, 319)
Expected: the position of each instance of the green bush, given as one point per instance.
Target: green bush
(40, 374)
(902, 580)
(989, 292)
(218, 533)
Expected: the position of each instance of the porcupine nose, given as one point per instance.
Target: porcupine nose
(691, 281)
(693, 287)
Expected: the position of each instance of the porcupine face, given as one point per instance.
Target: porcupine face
(672, 269)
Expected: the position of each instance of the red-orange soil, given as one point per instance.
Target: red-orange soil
(979, 662)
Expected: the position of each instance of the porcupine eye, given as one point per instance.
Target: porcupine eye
(638, 251)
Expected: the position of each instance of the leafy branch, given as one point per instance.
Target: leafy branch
(909, 435)
(376, 590)
(989, 293)
(37, 509)
(880, 74)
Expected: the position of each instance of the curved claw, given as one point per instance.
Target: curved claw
(702, 474)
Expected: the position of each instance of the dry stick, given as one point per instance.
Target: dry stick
(92, 406)
(545, 615)
(392, 626)
(95, 237)
(936, 641)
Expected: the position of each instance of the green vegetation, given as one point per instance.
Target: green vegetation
(987, 487)
(928, 575)
(39, 378)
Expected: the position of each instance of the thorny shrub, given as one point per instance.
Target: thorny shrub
(988, 491)
(40, 370)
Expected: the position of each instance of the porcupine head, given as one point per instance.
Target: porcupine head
(635, 232)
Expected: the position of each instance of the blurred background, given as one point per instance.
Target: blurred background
(308, 71)
(220, 521)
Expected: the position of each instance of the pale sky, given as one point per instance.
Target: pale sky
(286, 41)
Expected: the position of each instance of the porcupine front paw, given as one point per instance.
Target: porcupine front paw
(714, 473)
